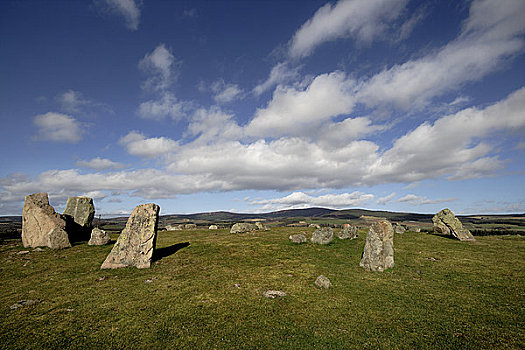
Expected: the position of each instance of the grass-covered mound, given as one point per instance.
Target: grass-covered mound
(442, 293)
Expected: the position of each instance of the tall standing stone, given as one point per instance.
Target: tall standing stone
(79, 215)
(81, 209)
(136, 242)
(378, 254)
(445, 222)
(41, 225)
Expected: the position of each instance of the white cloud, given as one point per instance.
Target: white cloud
(362, 20)
(280, 73)
(213, 126)
(161, 65)
(451, 146)
(302, 200)
(128, 9)
(225, 93)
(99, 164)
(386, 199)
(166, 106)
(71, 101)
(138, 145)
(491, 34)
(413, 199)
(58, 127)
(297, 111)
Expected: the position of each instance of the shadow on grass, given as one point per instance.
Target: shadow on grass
(161, 253)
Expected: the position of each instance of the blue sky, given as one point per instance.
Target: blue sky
(254, 106)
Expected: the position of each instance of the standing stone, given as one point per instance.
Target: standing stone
(41, 225)
(81, 209)
(398, 228)
(323, 235)
(241, 227)
(190, 227)
(79, 215)
(136, 242)
(378, 254)
(323, 282)
(300, 238)
(213, 227)
(445, 222)
(99, 237)
(348, 232)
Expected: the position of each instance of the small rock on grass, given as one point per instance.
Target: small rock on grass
(22, 252)
(22, 303)
(272, 294)
(323, 282)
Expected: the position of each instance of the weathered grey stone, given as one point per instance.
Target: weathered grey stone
(41, 225)
(22, 303)
(241, 227)
(99, 237)
(398, 228)
(81, 209)
(136, 242)
(348, 232)
(314, 226)
(323, 282)
(174, 227)
(213, 227)
(323, 235)
(299, 238)
(447, 223)
(260, 226)
(272, 294)
(190, 227)
(378, 253)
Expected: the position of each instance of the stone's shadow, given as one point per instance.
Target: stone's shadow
(161, 253)
(442, 235)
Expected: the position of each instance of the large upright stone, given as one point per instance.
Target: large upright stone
(445, 222)
(81, 209)
(136, 242)
(41, 225)
(79, 215)
(323, 235)
(378, 254)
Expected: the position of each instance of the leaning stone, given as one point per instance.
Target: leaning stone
(445, 222)
(136, 243)
(41, 225)
(300, 238)
(378, 253)
(99, 237)
(323, 235)
(272, 294)
(213, 227)
(323, 282)
(348, 232)
(241, 227)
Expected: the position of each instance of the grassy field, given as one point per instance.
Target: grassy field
(205, 291)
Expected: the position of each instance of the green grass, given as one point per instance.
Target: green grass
(441, 294)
